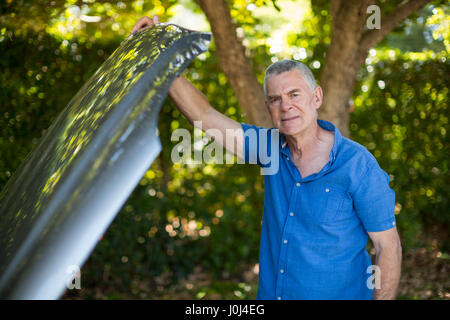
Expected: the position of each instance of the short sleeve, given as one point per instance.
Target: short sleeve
(374, 200)
(261, 147)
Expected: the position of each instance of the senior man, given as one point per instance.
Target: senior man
(327, 197)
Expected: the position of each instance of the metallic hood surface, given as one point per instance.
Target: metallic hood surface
(67, 191)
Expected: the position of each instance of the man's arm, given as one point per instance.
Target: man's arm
(388, 259)
(196, 108)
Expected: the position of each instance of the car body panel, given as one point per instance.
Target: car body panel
(68, 190)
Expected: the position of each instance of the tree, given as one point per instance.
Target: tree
(349, 46)
(350, 43)
(234, 63)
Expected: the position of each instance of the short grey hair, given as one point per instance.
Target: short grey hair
(281, 66)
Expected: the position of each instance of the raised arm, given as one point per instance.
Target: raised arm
(196, 108)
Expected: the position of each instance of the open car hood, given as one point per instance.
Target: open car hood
(68, 190)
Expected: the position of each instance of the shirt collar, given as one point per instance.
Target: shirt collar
(324, 124)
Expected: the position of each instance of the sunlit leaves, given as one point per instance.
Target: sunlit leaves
(85, 20)
(439, 23)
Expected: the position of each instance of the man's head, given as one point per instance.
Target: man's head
(292, 96)
(287, 65)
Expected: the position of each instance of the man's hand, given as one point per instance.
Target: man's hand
(144, 23)
(196, 108)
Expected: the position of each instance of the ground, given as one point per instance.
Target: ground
(425, 275)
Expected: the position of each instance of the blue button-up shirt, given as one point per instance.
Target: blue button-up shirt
(314, 228)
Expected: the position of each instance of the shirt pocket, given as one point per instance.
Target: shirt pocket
(326, 202)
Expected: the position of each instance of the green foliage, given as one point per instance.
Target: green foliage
(419, 32)
(401, 115)
(86, 20)
(32, 70)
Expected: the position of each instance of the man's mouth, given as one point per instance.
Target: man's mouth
(291, 118)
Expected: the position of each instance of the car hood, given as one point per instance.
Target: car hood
(68, 190)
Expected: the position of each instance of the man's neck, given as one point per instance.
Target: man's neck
(308, 143)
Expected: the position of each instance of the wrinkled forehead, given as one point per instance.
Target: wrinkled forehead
(285, 82)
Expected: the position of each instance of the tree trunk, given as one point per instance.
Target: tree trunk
(342, 61)
(350, 43)
(235, 64)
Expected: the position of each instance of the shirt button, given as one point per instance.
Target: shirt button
(282, 270)
(298, 184)
(279, 298)
(291, 214)
(287, 158)
(285, 241)
(327, 190)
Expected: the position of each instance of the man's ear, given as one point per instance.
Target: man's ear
(318, 97)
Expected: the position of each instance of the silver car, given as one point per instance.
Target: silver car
(68, 190)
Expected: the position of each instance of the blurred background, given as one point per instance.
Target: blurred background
(192, 232)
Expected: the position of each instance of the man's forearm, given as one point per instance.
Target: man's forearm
(389, 261)
(196, 108)
(188, 99)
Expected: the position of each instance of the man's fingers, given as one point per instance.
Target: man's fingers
(142, 23)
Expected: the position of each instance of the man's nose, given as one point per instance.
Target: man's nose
(285, 104)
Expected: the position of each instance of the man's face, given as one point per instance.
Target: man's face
(292, 104)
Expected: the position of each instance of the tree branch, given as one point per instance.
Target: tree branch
(371, 38)
(234, 63)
